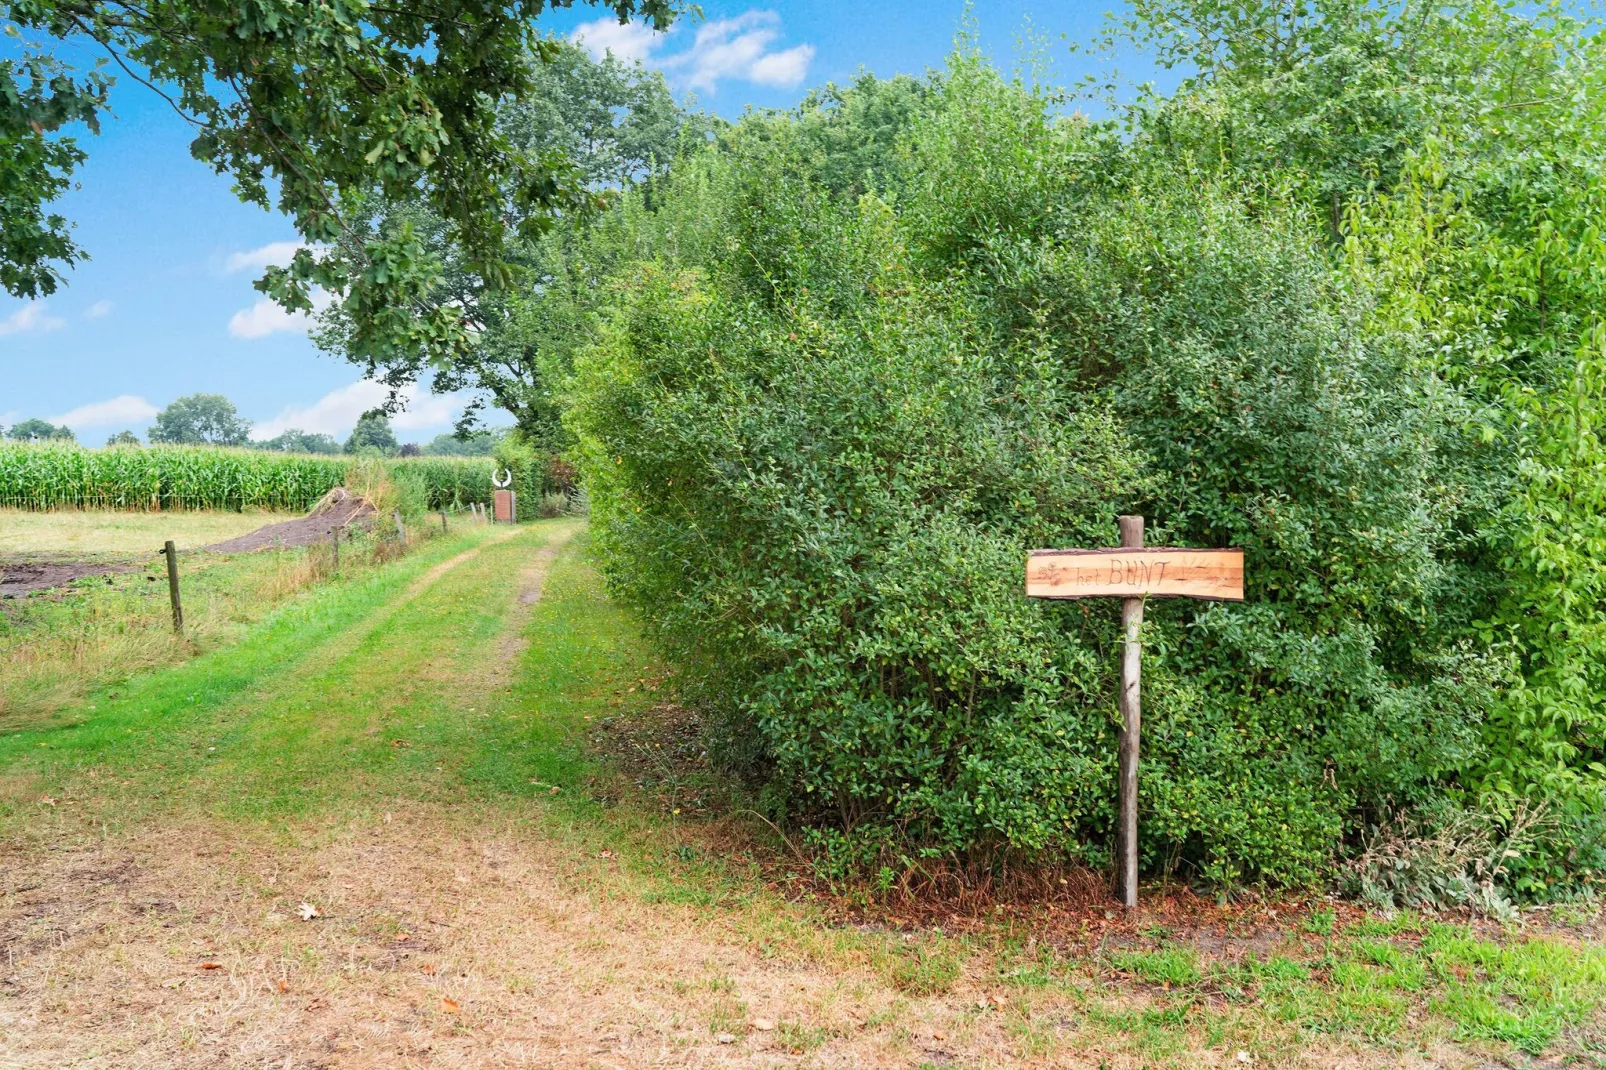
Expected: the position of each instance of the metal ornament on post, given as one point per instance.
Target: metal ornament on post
(506, 501)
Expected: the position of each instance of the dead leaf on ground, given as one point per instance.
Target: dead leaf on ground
(763, 1025)
(449, 1005)
(427, 968)
(284, 986)
(402, 938)
(211, 965)
(308, 912)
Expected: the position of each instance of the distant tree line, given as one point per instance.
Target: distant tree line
(213, 420)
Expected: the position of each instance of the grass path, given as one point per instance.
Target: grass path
(404, 753)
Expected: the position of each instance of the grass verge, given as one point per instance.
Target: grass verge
(492, 895)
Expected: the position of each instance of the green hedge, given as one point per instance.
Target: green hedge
(818, 453)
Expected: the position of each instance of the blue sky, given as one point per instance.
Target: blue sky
(165, 307)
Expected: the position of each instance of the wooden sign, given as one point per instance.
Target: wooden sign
(1133, 574)
(1162, 572)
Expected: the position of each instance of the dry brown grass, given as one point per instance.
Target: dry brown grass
(74, 532)
(459, 938)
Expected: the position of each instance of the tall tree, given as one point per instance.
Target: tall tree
(619, 127)
(305, 106)
(296, 440)
(373, 433)
(28, 430)
(200, 420)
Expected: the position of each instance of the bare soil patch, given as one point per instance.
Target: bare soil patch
(340, 509)
(20, 578)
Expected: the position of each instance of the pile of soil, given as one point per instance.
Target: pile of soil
(26, 577)
(339, 509)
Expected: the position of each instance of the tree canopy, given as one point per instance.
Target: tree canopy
(200, 419)
(26, 430)
(373, 433)
(619, 127)
(307, 108)
(295, 440)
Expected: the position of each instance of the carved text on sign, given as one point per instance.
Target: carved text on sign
(1136, 573)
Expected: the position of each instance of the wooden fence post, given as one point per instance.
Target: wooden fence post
(1131, 724)
(443, 521)
(171, 552)
(334, 536)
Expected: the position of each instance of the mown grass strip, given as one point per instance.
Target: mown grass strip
(152, 736)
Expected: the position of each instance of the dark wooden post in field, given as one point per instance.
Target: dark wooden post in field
(334, 540)
(1133, 574)
(171, 553)
(443, 521)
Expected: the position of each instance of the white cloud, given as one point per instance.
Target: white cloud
(267, 317)
(273, 254)
(739, 48)
(124, 409)
(782, 69)
(30, 318)
(336, 412)
(631, 41)
(264, 318)
(98, 310)
(735, 48)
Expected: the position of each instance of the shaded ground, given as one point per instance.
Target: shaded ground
(466, 905)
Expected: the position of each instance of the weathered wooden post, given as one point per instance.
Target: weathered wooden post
(334, 538)
(171, 552)
(1131, 722)
(1133, 574)
(443, 521)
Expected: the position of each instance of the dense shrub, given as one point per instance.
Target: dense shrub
(1335, 300)
(818, 454)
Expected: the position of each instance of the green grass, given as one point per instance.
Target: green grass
(63, 652)
(376, 690)
(305, 712)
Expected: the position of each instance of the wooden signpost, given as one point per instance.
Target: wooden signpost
(1133, 574)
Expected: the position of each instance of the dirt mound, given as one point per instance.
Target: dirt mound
(26, 577)
(338, 509)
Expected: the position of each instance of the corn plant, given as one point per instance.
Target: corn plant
(66, 476)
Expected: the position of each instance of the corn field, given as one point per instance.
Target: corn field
(65, 476)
